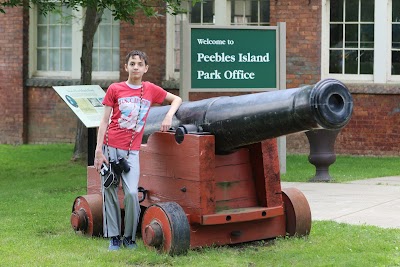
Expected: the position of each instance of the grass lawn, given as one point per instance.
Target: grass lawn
(345, 168)
(39, 184)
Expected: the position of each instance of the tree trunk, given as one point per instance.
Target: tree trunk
(92, 21)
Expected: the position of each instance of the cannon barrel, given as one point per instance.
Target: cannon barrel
(247, 119)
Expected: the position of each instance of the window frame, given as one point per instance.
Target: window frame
(112, 23)
(77, 40)
(382, 46)
(391, 78)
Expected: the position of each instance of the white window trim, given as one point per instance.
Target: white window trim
(391, 78)
(382, 55)
(170, 72)
(223, 9)
(75, 73)
(382, 47)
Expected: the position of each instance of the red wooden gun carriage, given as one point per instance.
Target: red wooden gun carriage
(216, 179)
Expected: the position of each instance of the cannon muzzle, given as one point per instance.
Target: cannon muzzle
(247, 119)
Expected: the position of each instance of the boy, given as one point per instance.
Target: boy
(119, 139)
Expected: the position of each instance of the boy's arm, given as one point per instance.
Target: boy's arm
(99, 157)
(175, 102)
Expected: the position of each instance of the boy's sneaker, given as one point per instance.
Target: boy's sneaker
(129, 243)
(115, 243)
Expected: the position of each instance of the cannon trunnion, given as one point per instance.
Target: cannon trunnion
(220, 184)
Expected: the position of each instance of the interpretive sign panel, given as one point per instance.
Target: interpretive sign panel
(85, 101)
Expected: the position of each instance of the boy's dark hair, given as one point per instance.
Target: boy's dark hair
(142, 55)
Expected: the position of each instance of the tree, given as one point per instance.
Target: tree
(123, 10)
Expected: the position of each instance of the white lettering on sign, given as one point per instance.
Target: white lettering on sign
(201, 57)
(238, 75)
(248, 57)
(222, 57)
(202, 75)
(229, 75)
(211, 42)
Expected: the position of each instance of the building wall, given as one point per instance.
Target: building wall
(12, 97)
(374, 128)
(148, 34)
(303, 34)
(36, 114)
(50, 120)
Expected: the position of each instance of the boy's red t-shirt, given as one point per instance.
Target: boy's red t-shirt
(124, 101)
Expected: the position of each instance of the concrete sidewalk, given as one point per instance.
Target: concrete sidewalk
(371, 202)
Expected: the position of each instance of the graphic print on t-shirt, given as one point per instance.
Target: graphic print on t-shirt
(129, 107)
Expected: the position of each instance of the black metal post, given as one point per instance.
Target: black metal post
(322, 154)
(92, 139)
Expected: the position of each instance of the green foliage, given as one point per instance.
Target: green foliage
(39, 184)
(124, 10)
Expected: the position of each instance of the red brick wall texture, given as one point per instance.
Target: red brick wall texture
(50, 120)
(147, 35)
(303, 31)
(11, 76)
(38, 115)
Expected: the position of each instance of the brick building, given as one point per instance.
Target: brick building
(355, 41)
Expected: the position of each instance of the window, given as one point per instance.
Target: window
(361, 40)
(202, 13)
(54, 41)
(56, 45)
(106, 44)
(212, 12)
(250, 12)
(351, 46)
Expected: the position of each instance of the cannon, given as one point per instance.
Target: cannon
(214, 179)
(247, 119)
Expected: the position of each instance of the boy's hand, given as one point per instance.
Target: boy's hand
(166, 124)
(99, 159)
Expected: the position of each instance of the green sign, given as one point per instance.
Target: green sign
(233, 58)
